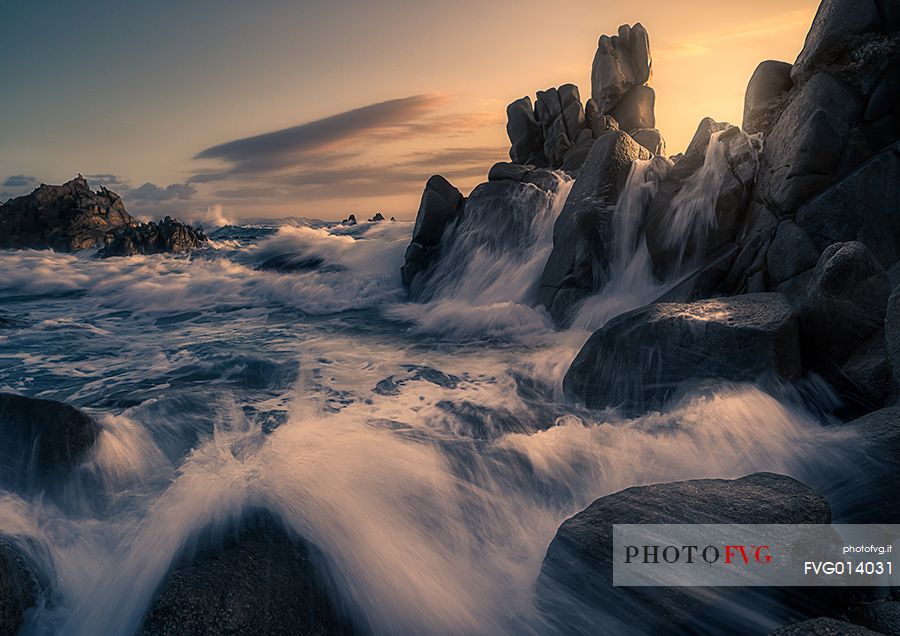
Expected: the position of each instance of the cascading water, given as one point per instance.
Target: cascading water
(422, 448)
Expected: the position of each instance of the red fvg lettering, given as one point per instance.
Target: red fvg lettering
(756, 553)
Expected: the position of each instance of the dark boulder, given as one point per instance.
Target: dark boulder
(582, 233)
(651, 139)
(576, 575)
(260, 580)
(845, 302)
(823, 627)
(766, 96)
(622, 62)
(791, 253)
(19, 587)
(641, 359)
(166, 236)
(523, 130)
(839, 27)
(41, 439)
(861, 207)
(64, 218)
(441, 207)
(809, 143)
(636, 109)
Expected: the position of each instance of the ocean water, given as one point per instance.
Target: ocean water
(426, 449)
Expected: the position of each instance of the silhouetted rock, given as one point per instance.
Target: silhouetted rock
(577, 572)
(845, 302)
(349, 221)
(19, 587)
(72, 217)
(621, 63)
(636, 109)
(582, 233)
(379, 217)
(441, 206)
(767, 93)
(166, 236)
(41, 439)
(260, 580)
(598, 122)
(523, 130)
(823, 627)
(651, 139)
(641, 359)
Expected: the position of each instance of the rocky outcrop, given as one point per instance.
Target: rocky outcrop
(19, 587)
(166, 236)
(861, 207)
(621, 69)
(883, 616)
(378, 217)
(554, 134)
(702, 200)
(349, 221)
(579, 262)
(576, 575)
(641, 359)
(441, 207)
(766, 95)
(41, 439)
(259, 580)
(72, 217)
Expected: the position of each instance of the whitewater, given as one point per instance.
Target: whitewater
(425, 448)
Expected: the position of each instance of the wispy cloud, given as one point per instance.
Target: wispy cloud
(19, 181)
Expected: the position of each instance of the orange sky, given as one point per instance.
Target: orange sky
(171, 82)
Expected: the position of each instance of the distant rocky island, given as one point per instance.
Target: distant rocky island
(72, 217)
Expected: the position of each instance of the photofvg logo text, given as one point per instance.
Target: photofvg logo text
(749, 555)
(710, 554)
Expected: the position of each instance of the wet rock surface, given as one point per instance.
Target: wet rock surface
(19, 587)
(576, 574)
(643, 358)
(41, 440)
(259, 579)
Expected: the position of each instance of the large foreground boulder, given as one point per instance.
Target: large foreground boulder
(260, 580)
(41, 440)
(72, 217)
(576, 583)
(641, 359)
(19, 587)
(582, 235)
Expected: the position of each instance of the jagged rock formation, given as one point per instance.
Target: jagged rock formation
(441, 207)
(72, 217)
(582, 234)
(576, 574)
(260, 580)
(558, 131)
